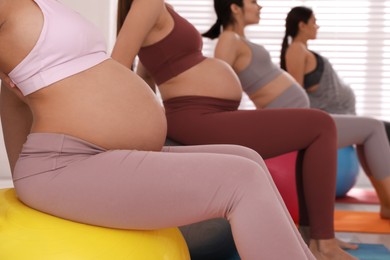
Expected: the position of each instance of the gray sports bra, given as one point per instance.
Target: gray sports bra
(260, 71)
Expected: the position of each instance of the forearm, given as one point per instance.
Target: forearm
(16, 121)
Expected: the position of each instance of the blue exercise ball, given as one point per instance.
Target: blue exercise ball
(347, 170)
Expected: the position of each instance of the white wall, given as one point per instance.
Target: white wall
(100, 12)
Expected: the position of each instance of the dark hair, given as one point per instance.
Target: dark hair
(123, 9)
(224, 16)
(294, 17)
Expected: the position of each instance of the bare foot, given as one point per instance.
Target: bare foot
(345, 245)
(329, 249)
(385, 212)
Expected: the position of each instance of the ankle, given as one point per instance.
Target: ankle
(326, 245)
(305, 233)
(385, 212)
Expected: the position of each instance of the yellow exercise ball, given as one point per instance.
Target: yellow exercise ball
(27, 234)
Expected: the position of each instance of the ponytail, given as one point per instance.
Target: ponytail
(224, 15)
(214, 31)
(285, 45)
(294, 17)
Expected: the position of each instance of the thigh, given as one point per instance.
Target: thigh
(142, 190)
(237, 150)
(357, 130)
(270, 132)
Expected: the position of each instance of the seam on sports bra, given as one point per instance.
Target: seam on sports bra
(38, 42)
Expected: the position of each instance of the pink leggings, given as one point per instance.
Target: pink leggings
(72, 179)
(194, 120)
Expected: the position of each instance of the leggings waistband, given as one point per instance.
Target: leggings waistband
(200, 102)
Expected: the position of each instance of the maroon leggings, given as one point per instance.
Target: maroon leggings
(194, 120)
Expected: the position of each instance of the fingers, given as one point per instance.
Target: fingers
(6, 80)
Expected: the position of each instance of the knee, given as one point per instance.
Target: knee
(251, 155)
(245, 189)
(378, 125)
(324, 121)
(387, 126)
(305, 102)
(252, 175)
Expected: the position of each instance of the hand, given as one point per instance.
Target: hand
(6, 79)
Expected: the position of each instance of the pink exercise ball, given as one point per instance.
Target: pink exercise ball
(282, 169)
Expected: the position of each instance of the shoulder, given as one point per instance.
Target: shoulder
(146, 14)
(170, 6)
(229, 36)
(229, 47)
(228, 39)
(297, 47)
(155, 2)
(147, 7)
(150, 3)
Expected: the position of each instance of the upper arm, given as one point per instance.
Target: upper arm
(226, 48)
(296, 62)
(139, 21)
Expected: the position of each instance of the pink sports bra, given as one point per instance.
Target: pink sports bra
(180, 50)
(67, 45)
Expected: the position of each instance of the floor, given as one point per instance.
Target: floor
(5, 182)
(363, 182)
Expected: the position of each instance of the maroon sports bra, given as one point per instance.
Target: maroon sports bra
(180, 50)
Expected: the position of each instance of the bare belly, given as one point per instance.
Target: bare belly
(107, 105)
(211, 77)
(266, 94)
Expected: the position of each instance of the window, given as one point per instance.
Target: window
(354, 35)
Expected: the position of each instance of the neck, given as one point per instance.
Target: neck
(237, 28)
(301, 39)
